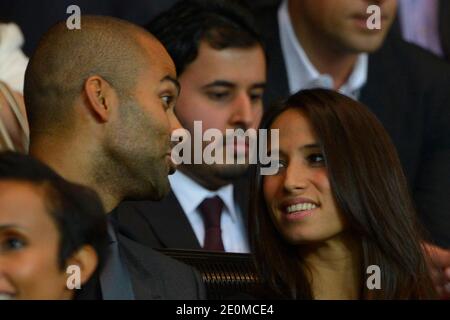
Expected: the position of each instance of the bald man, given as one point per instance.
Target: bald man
(100, 103)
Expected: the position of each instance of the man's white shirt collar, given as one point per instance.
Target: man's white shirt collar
(193, 194)
(302, 74)
(190, 194)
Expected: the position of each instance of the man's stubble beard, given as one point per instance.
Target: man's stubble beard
(130, 160)
(214, 176)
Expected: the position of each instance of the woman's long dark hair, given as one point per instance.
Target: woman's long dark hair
(370, 190)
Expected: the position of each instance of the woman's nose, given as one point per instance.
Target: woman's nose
(296, 178)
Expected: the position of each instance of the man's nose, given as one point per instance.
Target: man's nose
(242, 111)
(173, 121)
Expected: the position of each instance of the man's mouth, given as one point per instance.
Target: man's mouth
(361, 19)
(171, 165)
(241, 147)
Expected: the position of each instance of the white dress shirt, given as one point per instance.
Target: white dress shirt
(12, 60)
(302, 74)
(190, 194)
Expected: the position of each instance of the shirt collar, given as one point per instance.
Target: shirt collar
(11, 38)
(190, 194)
(301, 72)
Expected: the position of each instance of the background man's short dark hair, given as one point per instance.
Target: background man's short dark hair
(221, 23)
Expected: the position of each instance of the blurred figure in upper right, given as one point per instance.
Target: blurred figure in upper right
(327, 44)
(427, 24)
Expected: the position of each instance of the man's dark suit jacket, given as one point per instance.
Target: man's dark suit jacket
(408, 89)
(444, 27)
(154, 276)
(163, 224)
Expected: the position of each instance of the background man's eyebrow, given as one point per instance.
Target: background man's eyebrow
(219, 83)
(173, 80)
(261, 85)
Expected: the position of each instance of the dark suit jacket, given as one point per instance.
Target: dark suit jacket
(163, 224)
(408, 89)
(36, 17)
(154, 276)
(444, 27)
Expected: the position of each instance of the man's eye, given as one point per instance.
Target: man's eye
(12, 244)
(316, 159)
(256, 97)
(217, 96)
(167, 100)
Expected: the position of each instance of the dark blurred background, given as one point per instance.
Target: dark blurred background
(35, 16)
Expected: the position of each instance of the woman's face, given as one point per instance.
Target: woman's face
(29, 246)
(299, 197)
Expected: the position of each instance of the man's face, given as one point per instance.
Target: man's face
(223, 89)
(141, 134)
(343, 23)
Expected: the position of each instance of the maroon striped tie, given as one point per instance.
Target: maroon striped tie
(211, 209)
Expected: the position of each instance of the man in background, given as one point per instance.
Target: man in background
(222, 71)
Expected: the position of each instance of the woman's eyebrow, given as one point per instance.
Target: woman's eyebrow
(302, 148)
(310, 146)
(4, 227)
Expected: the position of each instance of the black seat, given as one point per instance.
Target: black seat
(225, 275)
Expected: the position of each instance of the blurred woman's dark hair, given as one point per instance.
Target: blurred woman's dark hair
(221, 23)
(370, 190)
(76, 210)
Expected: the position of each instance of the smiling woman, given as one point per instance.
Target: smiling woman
(46, 225)
(337, 206)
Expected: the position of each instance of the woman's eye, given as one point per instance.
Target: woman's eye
(316, 159)
(12, 244)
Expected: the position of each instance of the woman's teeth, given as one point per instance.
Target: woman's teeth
(300, 207)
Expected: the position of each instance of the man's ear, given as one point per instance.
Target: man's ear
(87, 260)
(101, 97)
